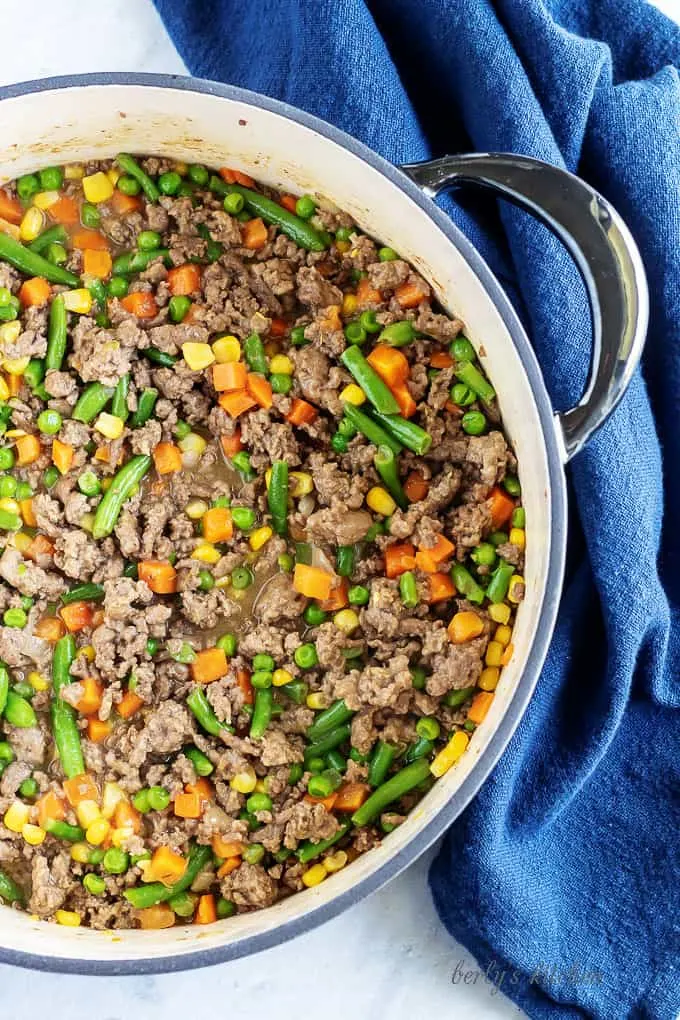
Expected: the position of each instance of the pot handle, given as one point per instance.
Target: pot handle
(602, 248)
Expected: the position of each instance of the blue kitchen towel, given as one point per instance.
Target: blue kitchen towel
(563, 875)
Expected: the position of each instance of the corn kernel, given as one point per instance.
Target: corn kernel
(88, 651)
(4, 389)
(314, 875)
(106, 484)
(494, 651)
(317, 700)
(353, 394)
(260, 537)
(346, 620)
(271, 348)
(450, 754)
(245, 781)
(97, 832)
(503, 635)
(74, 172)
(268, 477)
(80, 853)
(489, 678)
(114, 175)
(281, 677)
(15, 366)
(193, 443)
(112, 796)
(119, 837)
(335, 862)
(9, 331)
(21, 541)
(225, 349)
(197, 356)
(195, 509)
(14, 433)
(343, 246)
(31, 224)
(79, 300)
(303, 484)
(33, 834)
(109, 425)
(349, 302)
(380, 501)
(146, 871)
(10, 505)
(223, 582)
(499, 612)
(517, 537)
(281, 365)
(16, 816)
(516, 588)
(97, 188)
(44, 199)
(206, 553)
(68, 918)
(260, 786)
(181, 168)
(37, 681)
(88, 812)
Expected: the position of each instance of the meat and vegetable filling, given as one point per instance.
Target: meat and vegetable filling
(262, 543)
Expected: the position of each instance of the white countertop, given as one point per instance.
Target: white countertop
(389, 955)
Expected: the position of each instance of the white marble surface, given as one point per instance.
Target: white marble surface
(387, 956)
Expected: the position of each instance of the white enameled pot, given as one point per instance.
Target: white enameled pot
(72, 119)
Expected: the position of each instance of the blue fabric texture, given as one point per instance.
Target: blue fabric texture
(562, 877)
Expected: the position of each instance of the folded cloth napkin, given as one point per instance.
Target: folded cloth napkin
(563, 875)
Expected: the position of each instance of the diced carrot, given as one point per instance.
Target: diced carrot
(102, 454)
(441, 359)
(507, 654)
(40, 547)
(260, 389)
(243, 680)
(351, 796)
(287, 201)
(209, 665)
(328, 802)
(28, 513)
(167, 458)
(465, 626)
(453, 408)
(65, 211)
(254, 234)
(217, 524)
(233, 375)
(188, 805)
(313, 582)
(185, 279)
(50, 628)
(236, 177)
(10, 208)
(159, 575)
(481, 703)
(391, 365)
(155, 918)
(399, 558)
(236, 403)
(14, 383)
(203, 787)
(301, 412)
(80, 788)
(416, 487)
(441, 588)
(367, 294)
(338, 597)
(76, 616)
(28, 450)
(231, 864)
(226, 847)
(231, 444)
(123, 205)
(278, 328)
(91, 698)
(98, 730)
(62, 455)
(129, 704)
(428, 559)
(501, 507)
(97, 263)
(332, 320)
(410, 293)
(166, 866)
(402, 395)
(90, 240)
(140, 303)
(206, 911)
(126, 816)
(50, 807)
(35, 291)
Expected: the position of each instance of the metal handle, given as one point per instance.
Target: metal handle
(600, 244)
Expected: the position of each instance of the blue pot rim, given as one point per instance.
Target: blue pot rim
(558, 512)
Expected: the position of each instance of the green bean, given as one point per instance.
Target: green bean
(22, 258)
(403, 782)
(380, 762)
(200, 706)
(388, 469)
(19, 712)
(454, 699)
(88, 592)
(91, 401)
(344, 560)
(297, 691)
(53, 235)
(201, 762)
(407, 432)
(62, 830)
(336, 715)
(307, 851)
(421, 748)
(10, 891)
(64, 726)
(472, 377)
(408, 589)
(262, 712)
(145, 407)
(108, 511)
(376, 390)
(466, 584)
(303, 233)
(119, 404)
(253, 352)
(143, 896)
(369, 428)
(277, 496)
(158, 357)
(132, 168)
(136, 261)
(327, 742)
(398, 334)
(56, 334)
(4, 686)
(500, 582)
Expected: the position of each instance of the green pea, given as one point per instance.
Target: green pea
(182, 429)
(94, 884)
(428, 728)
(484, 555)
(51, 178)
(461, 349)
(418, 678)
(243, 517)
(339, 443)
(141, 801)
(305, 656)
(115, 861)
(50, 476)
(343, 234)
(15, 618)
(358, 595)
(117, 287)
(347, 428)
(355, 333)
(314, 615)
(285, 562)
(281, 383)
(233, 204)
(148, 240)
(259, 802)
(24, 490)
(469, 726)
(89, 484)
(295, 773)
(178, 306)
(387, 254)
(152, 645)
(297, 336)
(169, 182)
(97, 856)
(228, 643)
(263, 661)
(518, 519)
(29, 788)
(253, 853)
(498, 538)
(305, 207)
(159, 798)
(102, 320)
(27, 186)
(261, 679)
(462, 395)
(198, 174)
(512, 486)
(6, 458)
(241, 578)
(206, 580)
(128, 185)
(8, 486)
(90, 215)
(225, 908)
(49, 422)
(473, 422)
